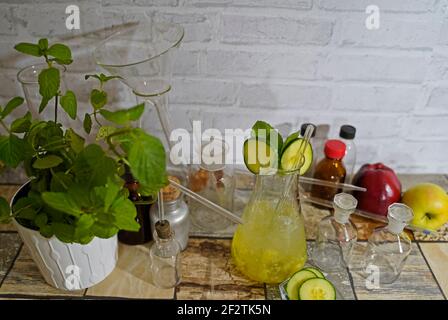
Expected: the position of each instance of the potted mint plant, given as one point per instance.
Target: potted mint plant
(70, 211)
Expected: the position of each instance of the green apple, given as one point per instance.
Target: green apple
(430, 204)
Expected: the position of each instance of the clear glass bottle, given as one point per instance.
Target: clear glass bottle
(213, 180)
(165, 256)
(347, 134)
(389, 247)
(336, 236)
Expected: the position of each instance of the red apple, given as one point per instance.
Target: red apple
(383, 188)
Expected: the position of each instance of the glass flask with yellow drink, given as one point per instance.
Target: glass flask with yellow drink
(270, 245)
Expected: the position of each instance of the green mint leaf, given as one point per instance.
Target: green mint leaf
(290, 138)
(102, 230)
(147, 160)
(29, 48)
(47, 162)
(76, 141)
(4, 210)
(41, 220)
(60, 52)
(104, 132)
(111, 193)
(83, 225)
(92, 167)
(13, 150)
(64, 232)
(124, 116)
(11, 105)
(60, 182)
(98, 99)
(43, 104)
(263, 130)
(21, 125)
(68, 103)
(63, 202)
(87, 123)
(125, 214)
(49, 81)
(43, 44)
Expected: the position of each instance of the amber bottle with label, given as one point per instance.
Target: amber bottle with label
(330, 168)
(143, 205)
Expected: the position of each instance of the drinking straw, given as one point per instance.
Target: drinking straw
(303, 143)
(209, 204)
(362, 213)
(161, 209)
(325, 183)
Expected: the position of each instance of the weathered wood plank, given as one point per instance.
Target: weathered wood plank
(25, 279)
(437, 256)
(416, 281)
(7, 191)
(9, 246)
(131, 278)
(209, 273)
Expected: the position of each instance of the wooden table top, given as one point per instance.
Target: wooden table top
(208, 271)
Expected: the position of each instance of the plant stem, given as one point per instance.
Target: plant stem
(56, 108)
(96, 119)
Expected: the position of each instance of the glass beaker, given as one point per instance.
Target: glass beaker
(270, 245)
(213, 180)
(141, 54)
(28, 78)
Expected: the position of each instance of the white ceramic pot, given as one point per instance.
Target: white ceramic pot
(70, 266)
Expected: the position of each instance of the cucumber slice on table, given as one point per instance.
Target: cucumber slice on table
(294, 283)
(317, 289)
(259, 156)
(316, 271)
(289, 160)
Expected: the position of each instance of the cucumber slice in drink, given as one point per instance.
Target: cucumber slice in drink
(316, 271)
(259, 157)
(317, 289)
(290, 161)
(294, 283)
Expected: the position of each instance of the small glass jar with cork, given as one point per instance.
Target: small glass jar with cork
(175, 211)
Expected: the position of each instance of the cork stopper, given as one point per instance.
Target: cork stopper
(171, 193)
(163, 229)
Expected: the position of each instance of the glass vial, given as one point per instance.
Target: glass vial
(213, 180)
(347, 134)
(336, 236)
(389, 247)
(165, 257)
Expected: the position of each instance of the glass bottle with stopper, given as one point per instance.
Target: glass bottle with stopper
(336, 236)
(165, 256)
(389, 247)
(175, 211)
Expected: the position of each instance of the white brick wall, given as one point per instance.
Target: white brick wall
(284, 61)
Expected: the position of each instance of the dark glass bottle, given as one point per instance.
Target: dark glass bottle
(331, 169)
(144, 234)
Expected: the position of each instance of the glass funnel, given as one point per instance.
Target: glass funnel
(141, 54)
(270, 245)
